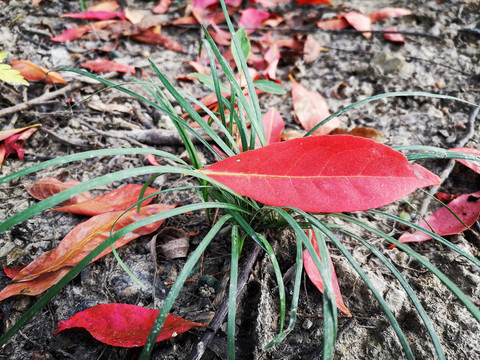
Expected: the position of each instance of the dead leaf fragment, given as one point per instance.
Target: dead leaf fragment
(32, 72)
(173, 242)
(43, 188)
(311, 50)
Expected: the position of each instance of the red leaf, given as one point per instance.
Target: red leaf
(12, 272)
(96, 15)
(85, 237)
(152, 161)
(442, 221)
(332, 24)
(359, 22)
(150, 37)
(13, 141)
(203, 4)
(446, 198)
(314, 2)
(252, 18)
(162, 7)
(316, 278)
(33, 72)
(273, 125)
(322, 174)
(311, 50)
(116, 200)
(124, 325)
(74, 33)
(311, 108)
(474, 165)
(394, 37)
(388, 12)
(104, 65)
(43, 188)
(272, 57)
(36, 286)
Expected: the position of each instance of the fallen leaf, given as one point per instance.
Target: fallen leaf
(74, 33)
(162, 7)
(272, 57)
(273, 20)
(33, 72)
(173, 242)
(332, 24)
(43, 188)
(36, 286)
(474, 165)
(134, 16)
(99, 105)
(365, 132)
(124, 325)
(270, 3)
(311, 108)
(95, 15)
(314, 2)
(273, 124)
(388, 12)
(104, 6)
(446, 198)
(86, 236)
(394, 37)
(359, 22)
(12, 272)
(311, 50)
(322, 174)
(316, 278)
(443, 222)
(104, 65)
(152, 160)
(251, 19)
(116, 200)
(9, 75)
(11, 141)
(150, 37)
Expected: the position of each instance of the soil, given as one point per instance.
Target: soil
(441, 55)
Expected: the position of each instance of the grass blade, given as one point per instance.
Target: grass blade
(232, 293)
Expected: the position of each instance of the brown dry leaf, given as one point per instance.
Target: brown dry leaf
(311, 108)
(110, 108)
(32, 72)
(173, 242)
(43, 188)
(134, 16)
(361, 131)
(104, 6)
(291, 134)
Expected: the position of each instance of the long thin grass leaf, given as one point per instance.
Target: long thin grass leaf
(175, 290)
(410, 292)
(386, 95)
(232, 293)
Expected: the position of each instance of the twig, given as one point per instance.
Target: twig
(69, 142)
(39, 100)
(104, 133)
(217, 320)
(451, 164)
(161, 137)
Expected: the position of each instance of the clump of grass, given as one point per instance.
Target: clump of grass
(248, 219)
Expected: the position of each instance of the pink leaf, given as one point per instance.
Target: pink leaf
(388, 12)
(252, 18)
(443, 222)
(394, 37)
(124, 325)
(162, 7)
(316, 278)
(474, 165)
(273, 125)
(359, 22)
(104, 65)
(96, 15)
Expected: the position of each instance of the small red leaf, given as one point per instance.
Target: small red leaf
(43, 188)
(12, 272)
(74, 33)
(311, 108)
(332, 24)
(394, 37)
(359, 22)
(124, 325)
(272, 57)
(388, 12)
(150, 37)
(474, 165)
(33, 72)
(161, 7)
(11, 141)
(443, 222)
(314, 2)
(273, 125)
(252, 18)
(316, 278)
(446, 198)
(96, 15)
(104, 65)
(322, 174)
(116, 200)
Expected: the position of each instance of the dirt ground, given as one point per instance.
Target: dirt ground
(441, 55)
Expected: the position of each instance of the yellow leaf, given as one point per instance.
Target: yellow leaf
(10, 75)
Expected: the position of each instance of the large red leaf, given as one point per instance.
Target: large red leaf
(43, 188)
(83, 238)
(11, 141)
(474, 165)
(33, 72)
(124, 325)
(104, 65)
(116, 200)
(443, 222)
(311, 108)
(322, 174)
(316, 278)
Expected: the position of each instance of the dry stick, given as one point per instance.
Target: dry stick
(217, 320)
(448, 169)
(107, 134)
